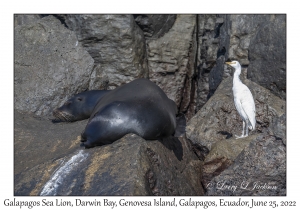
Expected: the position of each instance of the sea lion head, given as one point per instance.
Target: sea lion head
(72, 110)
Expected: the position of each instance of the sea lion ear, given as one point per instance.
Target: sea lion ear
(79, 99)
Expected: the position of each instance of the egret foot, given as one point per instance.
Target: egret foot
(239, 137)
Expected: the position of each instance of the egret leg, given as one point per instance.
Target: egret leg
(247, 129)
(242, 136)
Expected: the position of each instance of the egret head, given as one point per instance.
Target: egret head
(234, 64)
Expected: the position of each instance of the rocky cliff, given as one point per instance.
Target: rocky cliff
(57, 56)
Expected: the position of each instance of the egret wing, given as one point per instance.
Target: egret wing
(248, 105)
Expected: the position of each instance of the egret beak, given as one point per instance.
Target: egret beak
(228, 63)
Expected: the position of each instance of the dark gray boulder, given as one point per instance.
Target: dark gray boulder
(278, 128)
(267, 55)
(212, 44)
(155, 26)
(260, 170)
(222, 155)
(171, 62)
(259, 42)
(50, 66)
(242, 30)
(20, 19)
(116, 44)
(39, 147)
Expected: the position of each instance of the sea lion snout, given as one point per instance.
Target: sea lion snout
(62, 115)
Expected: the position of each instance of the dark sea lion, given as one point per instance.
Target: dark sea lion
(79, 107)
(138, 107)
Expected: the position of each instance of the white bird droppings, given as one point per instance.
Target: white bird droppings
(50, 188)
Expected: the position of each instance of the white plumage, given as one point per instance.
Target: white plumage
(243, 100)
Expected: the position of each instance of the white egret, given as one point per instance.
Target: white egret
(243, 100)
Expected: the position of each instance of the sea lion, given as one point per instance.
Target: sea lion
(138, 107)
(79, 107)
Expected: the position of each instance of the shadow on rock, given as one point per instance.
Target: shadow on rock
(173, 143)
